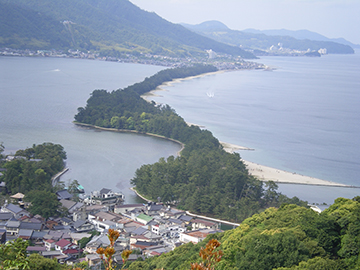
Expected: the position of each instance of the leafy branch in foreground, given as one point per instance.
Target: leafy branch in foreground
(107, 253)
(209, 256)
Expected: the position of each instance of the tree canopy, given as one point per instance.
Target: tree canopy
(204, 179)
(289, 237)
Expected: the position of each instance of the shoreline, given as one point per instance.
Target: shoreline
(179, 80)
(132, 131)
(266, 173)
(261, 172)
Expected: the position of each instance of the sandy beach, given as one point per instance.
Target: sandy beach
(265, 173)
(159, 88)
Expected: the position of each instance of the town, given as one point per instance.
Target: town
(220, 61)
(148, 229)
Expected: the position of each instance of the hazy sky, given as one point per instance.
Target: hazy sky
(331, 18)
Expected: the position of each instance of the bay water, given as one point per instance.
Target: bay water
(303, 117)
(39, 98)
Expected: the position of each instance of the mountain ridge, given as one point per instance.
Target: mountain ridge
(300, 34)
(113, 27)
(261, 41)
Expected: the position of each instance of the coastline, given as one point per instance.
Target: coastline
(261, 172)
(179, 80)
(265, 173)
(132, 131)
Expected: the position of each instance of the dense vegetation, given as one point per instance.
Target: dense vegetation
(23, 28)
(222, 33)
(291, 237)
(30, 173)
(111, 27)
(205, 179)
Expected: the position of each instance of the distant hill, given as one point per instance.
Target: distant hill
(260, 41)
(301, 34)
(109, 26)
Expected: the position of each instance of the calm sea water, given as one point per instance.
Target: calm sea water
(302, 117)
(39, 98)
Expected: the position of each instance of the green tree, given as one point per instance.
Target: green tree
(42, 202)
(13, 255)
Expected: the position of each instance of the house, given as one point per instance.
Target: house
(64, 244)
(37, 236)
(82, 226)
(64, 195)
(153, 208)
(57, 254)
(12, 227)
(124, 208)
(71, 206)
(203, 224)
(171, 213)
(186, 219)
(105, 197)
(92, 259)
(31, 226)
(75, 237)
(49, 244)
(17, 211)
(5, 216)
(141, 245)
(25, 234)
(196, 236)
(96, 242)
(18, 198)
(143, 219)
(35, 249)
(103, 221)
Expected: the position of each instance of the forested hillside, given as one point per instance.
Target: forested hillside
(204, 179)
(30, 173)
(291, 237)
(111, 27)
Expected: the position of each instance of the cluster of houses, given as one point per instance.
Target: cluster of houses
(148, 229)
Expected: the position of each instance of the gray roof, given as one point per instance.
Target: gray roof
(13, 224)
(105, 191)
(185, 218)
(36, 248)
(155, 207)
(31, 226)
(174, 220)
(38, 235)
(66, 203)
(25, 232)
(100, 239)
(14, 208)
(79, 223)
(64, 194)
(6, 216)
(139, 231)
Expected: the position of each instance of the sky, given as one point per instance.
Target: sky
(331, 18)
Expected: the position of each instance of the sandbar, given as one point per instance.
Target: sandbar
(153, 93)
(265, 173)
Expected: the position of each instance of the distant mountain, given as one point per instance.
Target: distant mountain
(108, 26)
(207, 26)
(301, 34)
(260, 41)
